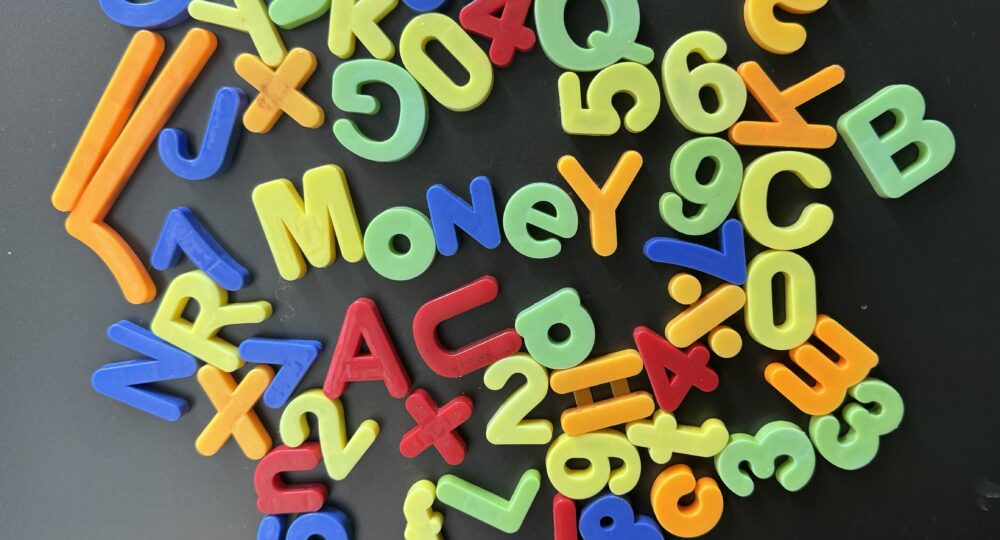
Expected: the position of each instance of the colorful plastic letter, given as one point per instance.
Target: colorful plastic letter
(800, 300)
(151, 14)
(422, 522)
(602, 202)
(340, 454)
(349, 19)
(383, 256)
(311, 225)
(329, 524)
(564, 522)
(601, 118)
(691, 520)
(625, 405)
(274, 496)
(363, 325)
(279, 90)
(128, 381)
(598, 448)
(436, 427)
(772, 35)
(199, 337)
(815, 219)
(662, 436)
(295, 356)
(235, 416)
(348, 80)
(271, 527)
(833, 379)
(683, 86)
(873, 152)
(507, 33)
(184, 234)
(491, 509)
(248, 16)
(690, 369)
(421, 6)
(474, 356)
(858, 447)
(423, 29)
(508, 425)
(778, 439)
(449, 212)
(521, 212)
(717, 196)
(604, 47)
(728, 263)
(217, 147)
(611, 517)
(561, 307)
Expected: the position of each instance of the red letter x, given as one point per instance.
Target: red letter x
(276, 497)
(436, 426)
(689, 369)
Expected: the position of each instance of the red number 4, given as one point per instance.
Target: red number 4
(507, 31)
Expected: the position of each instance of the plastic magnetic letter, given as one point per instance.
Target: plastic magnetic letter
(774, 441)
(276, 497)
(866, 426)
(340, 453)
(423, 29)
(800, 300)
(564, 522)
(422, 522)
(729, 263)
(508, 425)
(148, 14)
(436, 426)
(474, 356)
(521, 212)
(311, 225)
(624, 405)
(199, 337)
(600, 117)
(507, 33)
(329, 524)
(279, 91)
(493, 510)
(934, 141)
(609, 517)
(248, 16)
(218, 145)
(602, 202)
(272, 527)
(683, 86)
(128, 381)
(561, 307)
(234, 415)
(598, 448)
(385, 258)
(815, 219)
(350, 20)
(184, 234)
(421, 6)
(691, 520)
(833, 379)
(348, 80)
(295, 356)
(771, 34)
(449, 212)
(604, 47)
(662, 436)
(363, 325)
(716, 197)
(689, 368)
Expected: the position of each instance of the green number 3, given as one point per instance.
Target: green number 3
(774, 440)
(717, 197)
(860, 445)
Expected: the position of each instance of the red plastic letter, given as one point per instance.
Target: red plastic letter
(563, 517)
(507, 31)
(363, 321)
(276, 497)
(690, 369)
(436, 426)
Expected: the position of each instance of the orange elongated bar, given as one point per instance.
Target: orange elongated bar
(691, 520)
(613, 369)
(235, 416)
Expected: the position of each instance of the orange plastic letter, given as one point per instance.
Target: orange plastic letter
(694, 519)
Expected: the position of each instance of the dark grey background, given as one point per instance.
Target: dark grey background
(913, 277)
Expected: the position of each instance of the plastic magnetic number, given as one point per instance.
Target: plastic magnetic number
(348, 80)
(422, 522)
(217, 146)
(508, 425)
(604, 47)
(775, 440)
(717, 196)
(340, 454)
(390, 262)
(728, 263)
(800, 300)
(860, 445)
(682, 87)
(662, 436)
(600, 117)
(521, 212)
(508, 32)
(184, 234)
(598, 448)
(150, 14)
(295, 356)
(814, 221)
(771, 34)
(561, 307)
(690, 520)
(490, 508)
(611, 517)
(413, 52)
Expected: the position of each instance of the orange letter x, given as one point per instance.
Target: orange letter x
(235, 416)
(788, 129)
(279, 91)
(114, 142)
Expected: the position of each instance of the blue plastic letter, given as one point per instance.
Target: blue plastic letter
(449, 211)
(295, 356)
(183, 233)
(329, 524)
(271, 528)
(421, 6)
(150, 14)
(624, 523)
(729, 263)
(217, 148)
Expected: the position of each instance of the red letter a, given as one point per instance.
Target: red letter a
(363, 322)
